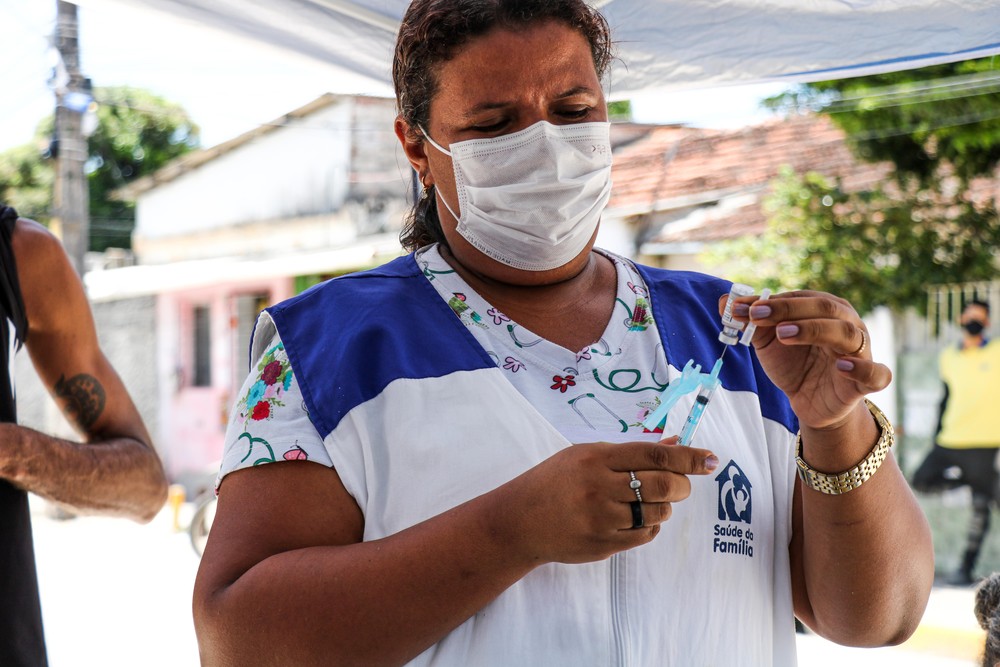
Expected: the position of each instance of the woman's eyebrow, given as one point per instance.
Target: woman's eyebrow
(576, 90)
(485, 106)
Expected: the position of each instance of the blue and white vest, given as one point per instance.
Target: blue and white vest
(416, 424)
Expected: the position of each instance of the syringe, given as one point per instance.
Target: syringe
(730, 330)
(707, 383)
(694, 416)
(700, 403)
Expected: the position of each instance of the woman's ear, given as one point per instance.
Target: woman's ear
(413, 146)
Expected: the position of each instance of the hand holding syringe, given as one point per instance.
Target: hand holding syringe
(691, 376)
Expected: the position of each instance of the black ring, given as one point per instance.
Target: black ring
(636, 514)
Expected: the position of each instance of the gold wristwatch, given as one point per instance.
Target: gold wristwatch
(856, 476)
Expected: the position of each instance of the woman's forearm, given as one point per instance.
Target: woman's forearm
(866, 557)
(371, 603)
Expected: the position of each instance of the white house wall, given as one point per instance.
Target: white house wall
(615, 235)
(297, 170)
(252, 239)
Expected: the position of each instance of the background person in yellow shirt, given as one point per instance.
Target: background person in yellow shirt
(968, 436)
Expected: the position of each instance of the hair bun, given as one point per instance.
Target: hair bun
(988, 600)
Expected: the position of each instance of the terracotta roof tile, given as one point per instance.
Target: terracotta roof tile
(677, 167)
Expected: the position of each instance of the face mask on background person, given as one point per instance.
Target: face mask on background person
(974, 327)
(532, 199)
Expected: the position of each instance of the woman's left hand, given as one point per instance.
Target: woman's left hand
(816, 349)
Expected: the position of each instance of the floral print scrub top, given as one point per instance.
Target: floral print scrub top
(601, 392)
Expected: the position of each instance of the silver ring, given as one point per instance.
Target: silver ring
(634, 485)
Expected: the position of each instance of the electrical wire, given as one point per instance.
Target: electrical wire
(958, 87)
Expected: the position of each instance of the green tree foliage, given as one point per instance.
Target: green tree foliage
(26, 181)
(620, 110)
(939, 129)
(137, 133)
(944, 118)
(872, 247)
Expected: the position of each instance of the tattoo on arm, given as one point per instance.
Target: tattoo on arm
(82, 397)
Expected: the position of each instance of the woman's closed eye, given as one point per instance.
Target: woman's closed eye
(489, 127)
(575, 114)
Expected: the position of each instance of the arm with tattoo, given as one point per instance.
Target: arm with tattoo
(115, 469)
(82, 398)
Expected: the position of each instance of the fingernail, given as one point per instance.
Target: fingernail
(741, 309)
(845, 364)
(760, 312)
(787, 330)
(711, 462)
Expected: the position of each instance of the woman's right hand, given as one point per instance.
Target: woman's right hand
(574, 507)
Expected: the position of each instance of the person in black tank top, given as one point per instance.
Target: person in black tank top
(21, 639)
(43, 307)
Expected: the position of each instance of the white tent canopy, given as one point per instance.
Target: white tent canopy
(663, 44)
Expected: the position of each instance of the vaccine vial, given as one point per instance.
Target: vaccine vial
(731, 328)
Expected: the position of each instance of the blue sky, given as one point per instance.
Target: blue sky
(229, 85)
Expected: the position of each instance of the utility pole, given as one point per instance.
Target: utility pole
(71, 221)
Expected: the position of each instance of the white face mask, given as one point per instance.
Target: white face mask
(532, 200)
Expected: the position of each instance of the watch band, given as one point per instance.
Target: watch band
(856, 476)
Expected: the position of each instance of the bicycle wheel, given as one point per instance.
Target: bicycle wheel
(201, 524)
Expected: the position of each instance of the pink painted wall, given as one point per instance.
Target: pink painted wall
(193, 418)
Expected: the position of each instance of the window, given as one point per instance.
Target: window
(202, 346)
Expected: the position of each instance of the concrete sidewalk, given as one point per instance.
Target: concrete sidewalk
(948, 636)
(116, 593)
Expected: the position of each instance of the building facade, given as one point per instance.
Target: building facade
(223, 233)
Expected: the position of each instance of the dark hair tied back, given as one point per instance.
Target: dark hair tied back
(987, 608)
(432, 32)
